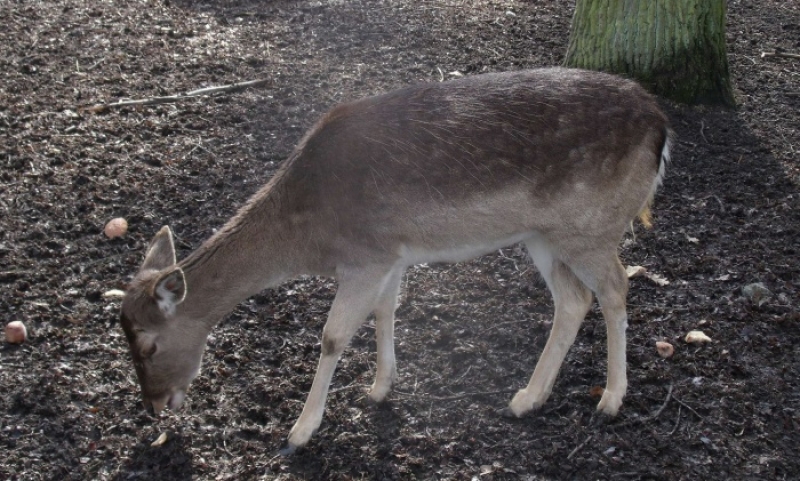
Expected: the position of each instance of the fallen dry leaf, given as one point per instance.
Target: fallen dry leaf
(658, 279)
(635, 271)
(162, 438)
(110, 294)
(596, 391)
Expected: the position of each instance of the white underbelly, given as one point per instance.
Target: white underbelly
(417, 254)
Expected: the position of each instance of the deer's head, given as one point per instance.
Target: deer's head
(166, 346)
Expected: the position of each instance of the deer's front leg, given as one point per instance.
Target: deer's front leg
(355, 299)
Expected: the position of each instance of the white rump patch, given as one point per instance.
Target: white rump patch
(663, 161)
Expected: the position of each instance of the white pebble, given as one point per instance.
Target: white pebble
(697, 337)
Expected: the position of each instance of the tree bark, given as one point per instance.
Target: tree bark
(675, 48)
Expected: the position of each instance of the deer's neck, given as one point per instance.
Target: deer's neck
(258, 248)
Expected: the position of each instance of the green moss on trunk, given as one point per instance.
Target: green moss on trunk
(676, 48)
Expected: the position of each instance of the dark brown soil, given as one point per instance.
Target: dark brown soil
(468, 335)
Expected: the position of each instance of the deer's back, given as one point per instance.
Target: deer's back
(498, 155)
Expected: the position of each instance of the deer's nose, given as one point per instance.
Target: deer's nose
(155, 405)
(173, 401)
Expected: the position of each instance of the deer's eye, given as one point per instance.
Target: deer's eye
(147, 351)
(146, 344)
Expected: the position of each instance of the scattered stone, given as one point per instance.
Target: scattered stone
(16, 333)
(697, 337)
(757, 293)
(116, 227)
(665, 349)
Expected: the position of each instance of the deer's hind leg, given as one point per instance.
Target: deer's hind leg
(386, 372)
(603, 273)
(572, 300)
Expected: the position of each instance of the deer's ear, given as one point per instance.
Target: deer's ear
(161, 253)
(169, 289)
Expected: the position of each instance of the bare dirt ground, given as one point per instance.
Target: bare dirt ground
(468, 335)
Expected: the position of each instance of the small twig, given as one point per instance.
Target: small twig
(780, 53)
(514, 261)
(495, 326)
(225, 443)
(199, 146)
(556, 409)
(423, 397)
(689, 408)
(11, 276)
(347, 388)
(456, 381)
(176, 98)
(702, 131)
(228, 88)
(651, 417)
(579, 447)
(666, 401)
(678, 421)
(96, 64)
(721, 205)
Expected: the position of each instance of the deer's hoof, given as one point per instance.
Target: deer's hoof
(287, 450)
(507, 413)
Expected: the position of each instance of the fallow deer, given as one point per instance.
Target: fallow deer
(560, 160)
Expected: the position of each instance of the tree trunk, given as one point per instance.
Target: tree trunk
(675, 48)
